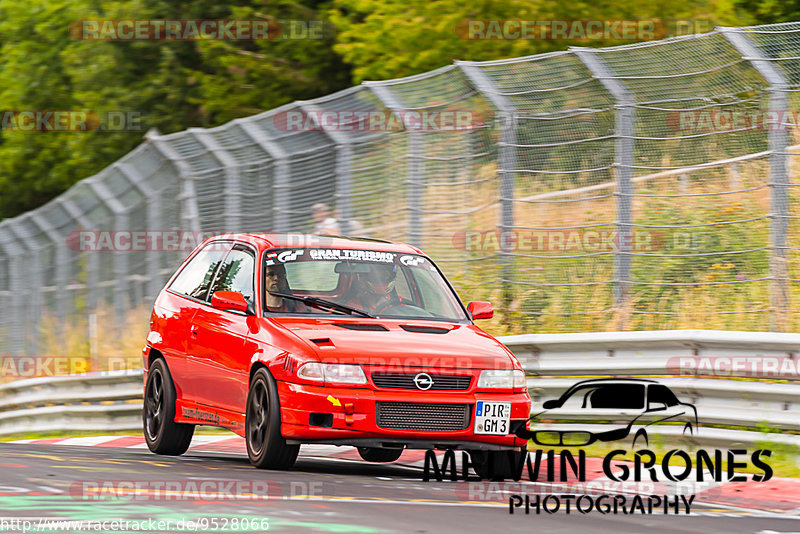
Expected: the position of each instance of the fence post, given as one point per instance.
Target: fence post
(13, 250)
(28, 274)
(624, 163)
(778, 175)
(121, 266)
(153, 218)
(60, 258)
(233, 189)
(344, 166)
(415, 168)
(507, 164)
(280, 220)
(190, 214)
(92, 258)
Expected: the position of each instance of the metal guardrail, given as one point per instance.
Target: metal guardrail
(112, 400)
(721, 401)
(652, 353)
(106, 401)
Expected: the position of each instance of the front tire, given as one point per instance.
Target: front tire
(377, 454)
(266, 447)
(162, 434)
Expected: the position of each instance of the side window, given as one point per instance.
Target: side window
(236, 273)
(196, 277)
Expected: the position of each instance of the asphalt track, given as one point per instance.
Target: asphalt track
(40, 482)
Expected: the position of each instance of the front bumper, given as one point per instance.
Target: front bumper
(354, 420)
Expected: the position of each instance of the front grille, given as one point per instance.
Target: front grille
(422, 416)
(406, 381)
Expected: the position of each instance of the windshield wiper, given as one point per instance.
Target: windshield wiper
(322, 303)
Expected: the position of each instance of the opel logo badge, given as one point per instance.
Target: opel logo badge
(423, 381)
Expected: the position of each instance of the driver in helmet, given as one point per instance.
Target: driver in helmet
(377, 290)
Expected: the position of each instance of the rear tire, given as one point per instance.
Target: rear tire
(266, 447)
(162, 434)
(496, 465)
(377, 454)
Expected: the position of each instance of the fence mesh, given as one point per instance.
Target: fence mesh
(644, 186)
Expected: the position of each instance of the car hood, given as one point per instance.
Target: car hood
(411, 343)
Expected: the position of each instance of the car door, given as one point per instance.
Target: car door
(217, 358)
(177, 307)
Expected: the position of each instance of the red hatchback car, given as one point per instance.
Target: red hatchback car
(288, 339)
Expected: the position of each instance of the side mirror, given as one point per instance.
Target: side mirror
(656, 406)
(480, 309)
(551, 404)
(229, 300)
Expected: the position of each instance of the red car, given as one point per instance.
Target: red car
(288, 339)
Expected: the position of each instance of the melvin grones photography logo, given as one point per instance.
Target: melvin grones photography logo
(564, 478)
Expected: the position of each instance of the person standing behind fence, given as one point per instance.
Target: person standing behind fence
(327, 224)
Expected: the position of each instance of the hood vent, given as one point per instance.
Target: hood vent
(323, 342)
(424, 329)
(366, 327)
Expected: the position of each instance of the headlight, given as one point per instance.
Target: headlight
(500, 378)
(344, 374)
(312, 371)
(333, 373)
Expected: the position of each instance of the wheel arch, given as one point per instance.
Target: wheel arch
(153, 355)
(254, 369)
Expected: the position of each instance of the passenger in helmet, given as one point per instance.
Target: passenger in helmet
(376, 289)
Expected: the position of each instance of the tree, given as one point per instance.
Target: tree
(393, 38)
(174, 85)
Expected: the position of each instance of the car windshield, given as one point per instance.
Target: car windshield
(615, 396)
(357, 282)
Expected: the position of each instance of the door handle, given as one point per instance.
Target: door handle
(193, 329)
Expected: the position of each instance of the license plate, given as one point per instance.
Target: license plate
(492, 417)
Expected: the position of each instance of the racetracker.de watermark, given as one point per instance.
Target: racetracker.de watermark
(575, 240)
(197, 489)
(759, 366)
(136, 240)
(48, 120)
(18, 367)
(378, 120)
(166, 240)
(197, 30)
(489, 491)
(578, 30)
(594, 239)
(222, 523)
(702, 121)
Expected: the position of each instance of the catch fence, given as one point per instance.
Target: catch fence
(646, 186)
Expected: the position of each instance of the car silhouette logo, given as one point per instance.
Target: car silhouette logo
(609, 409)
(423, 381)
